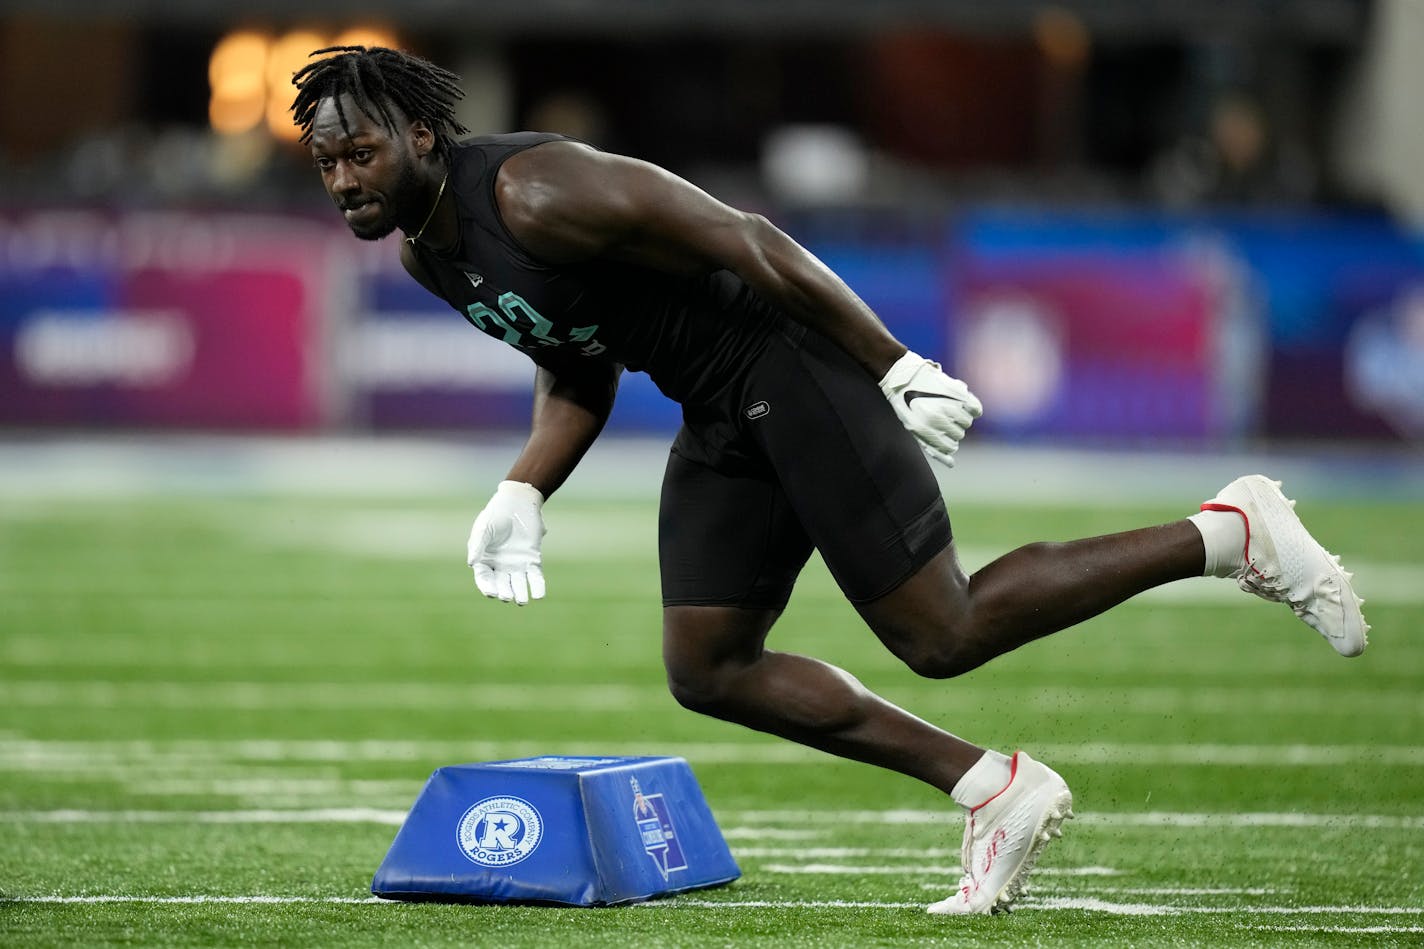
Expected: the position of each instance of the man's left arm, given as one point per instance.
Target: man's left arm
(566, 202)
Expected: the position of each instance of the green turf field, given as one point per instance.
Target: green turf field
(214, 711)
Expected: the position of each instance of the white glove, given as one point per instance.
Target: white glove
(936, 408)
(504, 544)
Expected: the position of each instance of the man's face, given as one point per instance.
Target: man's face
(371, 174)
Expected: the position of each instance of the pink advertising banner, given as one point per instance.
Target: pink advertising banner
(162, 320)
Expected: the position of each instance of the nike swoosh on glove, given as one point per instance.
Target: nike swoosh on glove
(504, 544)
(937, 408)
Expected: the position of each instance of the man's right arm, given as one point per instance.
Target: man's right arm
(572, 400)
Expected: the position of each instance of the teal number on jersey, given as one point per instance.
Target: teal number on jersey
(515, 319)
(479, 313)
(519, 310)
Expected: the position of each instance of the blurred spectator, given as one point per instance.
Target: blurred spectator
(1239, 159)
(570, 113)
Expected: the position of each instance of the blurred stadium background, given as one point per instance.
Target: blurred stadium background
(1124, 223)
(1165, 242)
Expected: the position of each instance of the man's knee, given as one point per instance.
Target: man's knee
(700, 679)
(706, 650)
(942, 657)
(936, 647)
(700, 687)
(937, 643)
(930, 621)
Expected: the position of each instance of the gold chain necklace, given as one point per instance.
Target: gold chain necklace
(438, 195)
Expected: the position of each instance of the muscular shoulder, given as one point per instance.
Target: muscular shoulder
(544, 197)
(535, 178)
(566, 202)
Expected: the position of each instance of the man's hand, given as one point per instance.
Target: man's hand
(936, 408)
(504, 544)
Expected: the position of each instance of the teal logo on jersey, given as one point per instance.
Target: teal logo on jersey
(519, 324)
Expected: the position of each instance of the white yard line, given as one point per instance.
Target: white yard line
(1057, 904)
(265, 787)
(845, 853)
(836, 869)
(1092, 890)
(1337, 929)
(614, 697)
(788, 819)
(681, 902)
(264, 790)
(1186, 890)
(1128, 753)
(1255, 819)
(260, 696)
(1153, 909)
(368, 901)
(771, 833)
(330, 815)
(95, 757)
(1074, 904)
(100, 757)
(859, 870)
(157, 464)
(1115, 819)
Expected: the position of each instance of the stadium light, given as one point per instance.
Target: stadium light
(236, 78)
(250, 75)
(289, 53)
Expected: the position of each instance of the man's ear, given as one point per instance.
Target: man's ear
(422, 139)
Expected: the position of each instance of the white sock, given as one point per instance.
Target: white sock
(987, 777)
(1224, 536)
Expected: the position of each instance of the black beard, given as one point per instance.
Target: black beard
(375, 232)
(407, 193)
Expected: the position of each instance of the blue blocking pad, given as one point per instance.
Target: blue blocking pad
(562, 830)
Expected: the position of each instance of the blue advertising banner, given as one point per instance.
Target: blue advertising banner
(1089, 325)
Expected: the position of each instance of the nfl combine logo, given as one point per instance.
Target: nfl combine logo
(656, 831)
(499, 831)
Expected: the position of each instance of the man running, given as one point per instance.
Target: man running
(804, 426)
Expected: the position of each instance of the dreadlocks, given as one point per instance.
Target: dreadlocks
(377, 78)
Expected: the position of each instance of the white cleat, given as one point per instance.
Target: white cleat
(1284, 564)
(1004, 836)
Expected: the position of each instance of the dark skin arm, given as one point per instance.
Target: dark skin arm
(566, 203)
(573, 396)
(571, 403)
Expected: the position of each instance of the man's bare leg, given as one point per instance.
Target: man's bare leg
(942, 622)
(717, 665)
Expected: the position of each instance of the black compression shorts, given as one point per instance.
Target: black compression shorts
(801, 451)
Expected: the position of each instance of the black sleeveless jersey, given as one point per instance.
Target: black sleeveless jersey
(691, 335)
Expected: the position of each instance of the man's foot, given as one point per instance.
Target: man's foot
(1004, 836)
(1281, 562)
